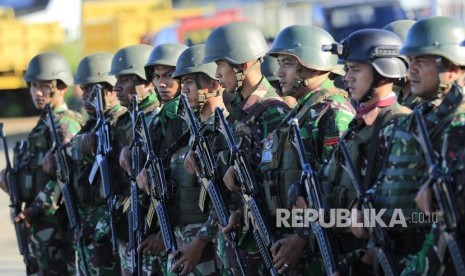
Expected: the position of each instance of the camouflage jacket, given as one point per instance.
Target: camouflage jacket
(405, 166)
(68, 124)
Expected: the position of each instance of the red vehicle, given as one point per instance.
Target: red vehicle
(193, 30)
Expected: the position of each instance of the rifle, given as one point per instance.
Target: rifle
(159, 196)
(379, 239)
(314, 199)
(262, 231)
(15, 204)
(63, 172)
(449, 218)
(209, 174)
(135, 214)
(104, 148)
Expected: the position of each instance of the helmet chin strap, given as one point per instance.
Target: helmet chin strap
(240, 74)
(376, 79)
(203, 96)
(443, 85)
(297, 82)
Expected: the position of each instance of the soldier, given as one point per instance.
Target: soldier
(94, 69)
(256, 108)
(373, 65)
(324, 113)
(194, 234)
(270, 69)
(434, 71)
(127, 66)
(51, 242)
(404, 96)
(165, 129)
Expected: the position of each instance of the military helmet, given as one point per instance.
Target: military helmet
(164, 54)
(400, 27)
(131, 60)
(439, 36)
(48, 66)
(304, 43)
(236, 43)
(270, 68)
(378, 47)
(190, 62)
(95, 68)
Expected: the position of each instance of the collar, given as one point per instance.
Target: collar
(368, 114)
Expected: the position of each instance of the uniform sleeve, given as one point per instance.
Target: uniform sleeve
(332, 124)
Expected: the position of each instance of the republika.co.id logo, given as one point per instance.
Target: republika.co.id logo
(349, 218)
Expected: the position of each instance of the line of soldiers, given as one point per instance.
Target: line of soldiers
(190, 153)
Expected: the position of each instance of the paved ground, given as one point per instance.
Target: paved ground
(11, 262)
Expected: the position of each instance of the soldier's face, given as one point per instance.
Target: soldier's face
(288, 71)
(189, 88)
(226, 76)
(125, 88)
(358, 79)
(40, 93)
(423, 75)
(166, 86)
(86, 98)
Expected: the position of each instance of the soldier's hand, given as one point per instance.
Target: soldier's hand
(125, 159)
(229, 179)
(300, 203)
(26, 216)
(234, 223)
(3, 181)
(189, 256)
(142, 181)
(424, 198)
(48, 164)
(359, 232)
(153, 245)
(287, 252)
(190, 163)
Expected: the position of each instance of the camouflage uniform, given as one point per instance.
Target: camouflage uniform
(92, 206)
(130, 61)
(445, 135)
(123, 136)
(51, 239)
(367, 135)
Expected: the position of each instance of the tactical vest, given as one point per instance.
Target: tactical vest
(31, 178)
(280, 165)
(406, 166)
(336, 181)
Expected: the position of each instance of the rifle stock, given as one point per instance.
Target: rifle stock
(15, 204)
